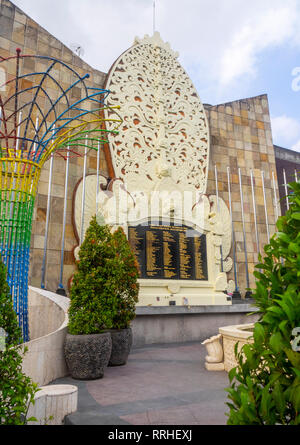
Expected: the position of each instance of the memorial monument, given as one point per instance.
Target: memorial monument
(158, 178)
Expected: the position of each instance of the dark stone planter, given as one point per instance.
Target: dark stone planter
(87, 355)
(121, 345)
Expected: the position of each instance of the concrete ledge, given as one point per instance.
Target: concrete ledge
(52, 404)
(179, 324)
(243, 331)
(175, 310)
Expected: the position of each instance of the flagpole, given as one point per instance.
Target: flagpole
(61, 289)
(236, 294)
(218, 211)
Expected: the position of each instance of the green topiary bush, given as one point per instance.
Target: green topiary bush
(128, 287)
(104, 289)
(265, 386)
(16, 389)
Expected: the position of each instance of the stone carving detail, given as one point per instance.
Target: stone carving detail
(220, 222)
(118, 207)
(221, 282)
(214, 349)
(214, 359)
(230, 287)
(165, 129)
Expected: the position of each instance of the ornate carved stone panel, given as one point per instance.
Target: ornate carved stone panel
(160, 159)
(165, 130)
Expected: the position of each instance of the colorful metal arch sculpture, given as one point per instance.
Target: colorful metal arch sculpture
(39, 115)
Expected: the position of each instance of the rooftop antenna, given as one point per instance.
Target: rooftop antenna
(77, 49)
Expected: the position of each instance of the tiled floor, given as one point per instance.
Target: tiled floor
(160, 385)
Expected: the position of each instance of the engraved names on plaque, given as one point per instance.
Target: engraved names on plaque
(169, 252)
(137, 245)
(153, 256)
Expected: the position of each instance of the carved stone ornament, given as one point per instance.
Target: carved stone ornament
(165, 130)
(214, 359)
(160, 160)
(220, 222)
(117, 207)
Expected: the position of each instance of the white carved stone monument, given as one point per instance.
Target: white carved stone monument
(160, 158)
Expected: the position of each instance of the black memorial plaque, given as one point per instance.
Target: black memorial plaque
(169, 252)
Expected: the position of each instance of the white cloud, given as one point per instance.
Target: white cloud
(272, 28)
(286, 130)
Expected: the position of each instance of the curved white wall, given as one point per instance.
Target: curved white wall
(48, 320)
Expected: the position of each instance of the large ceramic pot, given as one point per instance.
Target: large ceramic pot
(121, 345)
(87, 355)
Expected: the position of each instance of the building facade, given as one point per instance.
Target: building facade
(242, 158)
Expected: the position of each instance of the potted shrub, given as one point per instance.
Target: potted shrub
(92, 306)
(127, 289)
(103, 295)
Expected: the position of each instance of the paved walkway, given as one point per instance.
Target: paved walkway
(160, 385)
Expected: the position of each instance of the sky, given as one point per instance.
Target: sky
(231, 49)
